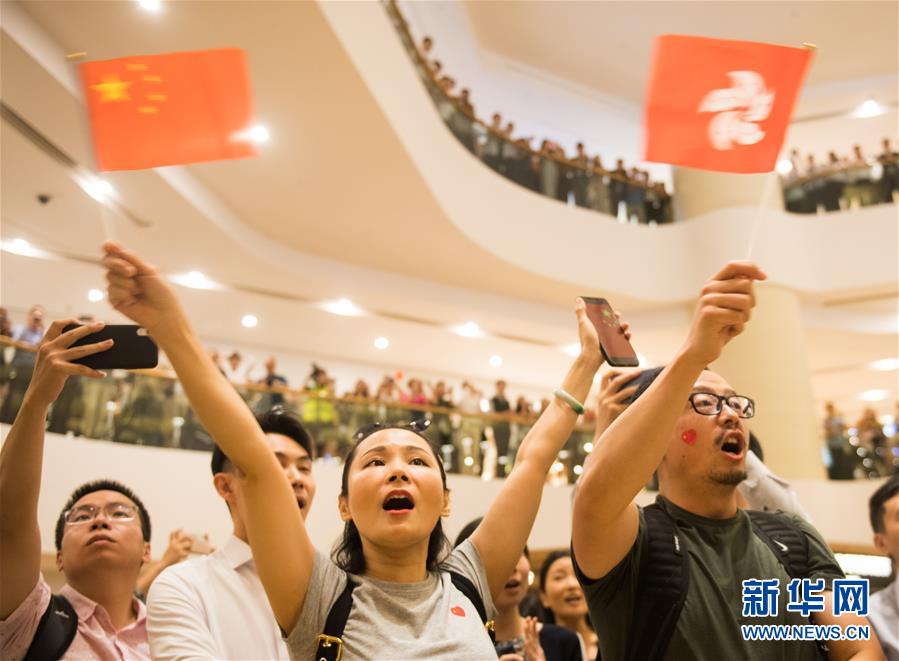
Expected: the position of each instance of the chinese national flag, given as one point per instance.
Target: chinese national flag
(721, 105)
(155, 110)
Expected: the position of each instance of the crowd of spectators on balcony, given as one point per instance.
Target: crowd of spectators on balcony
(579, 179)
(841, 181)
(865, 448)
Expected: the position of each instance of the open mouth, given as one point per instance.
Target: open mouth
(733, 445)
(512, 585)
(301, 503)
(573, 600)
(398, 502)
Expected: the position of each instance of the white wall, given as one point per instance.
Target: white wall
(176, 487)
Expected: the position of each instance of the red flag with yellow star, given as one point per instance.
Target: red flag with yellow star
(171, 109)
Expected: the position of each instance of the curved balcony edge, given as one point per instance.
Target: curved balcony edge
(654, 263)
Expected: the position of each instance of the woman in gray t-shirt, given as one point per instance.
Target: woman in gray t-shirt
(392, 499)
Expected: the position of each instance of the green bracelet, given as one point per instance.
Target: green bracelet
(575, 405)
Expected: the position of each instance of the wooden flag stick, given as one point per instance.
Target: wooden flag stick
(760, 213)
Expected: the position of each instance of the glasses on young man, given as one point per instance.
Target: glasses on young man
(708, 403)
(118, 512)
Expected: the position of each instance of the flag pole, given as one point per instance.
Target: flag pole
(766, 192)
(759, 214)
(106, 213)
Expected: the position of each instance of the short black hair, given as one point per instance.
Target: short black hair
(277, 420)
(642, 380)
(877, 504)
(102, 485)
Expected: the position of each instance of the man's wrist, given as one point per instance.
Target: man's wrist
(688, 358)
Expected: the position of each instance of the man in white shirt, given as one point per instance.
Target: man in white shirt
(214, 607)
(884, 605)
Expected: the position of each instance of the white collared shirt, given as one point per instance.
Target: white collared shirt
(884, 616)
(213, 607)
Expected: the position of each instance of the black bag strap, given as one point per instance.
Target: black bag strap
(785, 540)
(466, 587)
(330, 641)
(789, 544)
(55, 631)
(662, 585)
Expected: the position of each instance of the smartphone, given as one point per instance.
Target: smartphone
(132, 348)
(615, 347)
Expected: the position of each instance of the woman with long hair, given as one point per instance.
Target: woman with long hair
(563, 600)
(391, 589)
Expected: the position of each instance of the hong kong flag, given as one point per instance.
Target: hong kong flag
(176, 108)
(721, 105)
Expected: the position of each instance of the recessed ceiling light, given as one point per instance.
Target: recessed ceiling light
(99, 189)
(496, 361)
(381, 343)
(249, 321)
(149, 5)
(195, 280)
(885, 365)
(784, 166)
(869, 108)
(259, 134)
(94, 295)
(578, 469)
(875, 395)
(342, 306)
(469, 329)
(22, 247)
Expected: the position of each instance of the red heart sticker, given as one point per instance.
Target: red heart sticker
(457, 610)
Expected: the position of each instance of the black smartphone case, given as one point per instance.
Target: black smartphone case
(623, 362)
(132, 348)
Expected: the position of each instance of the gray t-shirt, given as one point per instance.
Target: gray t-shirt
(430, 619)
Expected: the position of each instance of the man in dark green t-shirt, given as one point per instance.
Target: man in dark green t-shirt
(691, 426)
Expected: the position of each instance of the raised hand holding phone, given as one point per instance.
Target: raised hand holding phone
(56, 359)
(614, 338)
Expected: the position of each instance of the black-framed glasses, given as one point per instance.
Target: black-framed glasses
(86, 513)
(708, 403)
(417, 426)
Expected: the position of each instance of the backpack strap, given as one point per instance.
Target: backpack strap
(466, 587)
(55, 631)
(662, 585)
(330, 641)
(788, 543)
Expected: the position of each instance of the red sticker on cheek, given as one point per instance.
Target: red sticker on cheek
(689, 437)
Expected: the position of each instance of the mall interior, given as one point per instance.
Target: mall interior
(416, 227)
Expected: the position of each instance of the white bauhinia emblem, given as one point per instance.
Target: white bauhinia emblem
(739, 109)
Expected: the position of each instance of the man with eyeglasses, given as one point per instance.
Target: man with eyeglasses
(102, 536)
(214, 606)
(666, 581)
